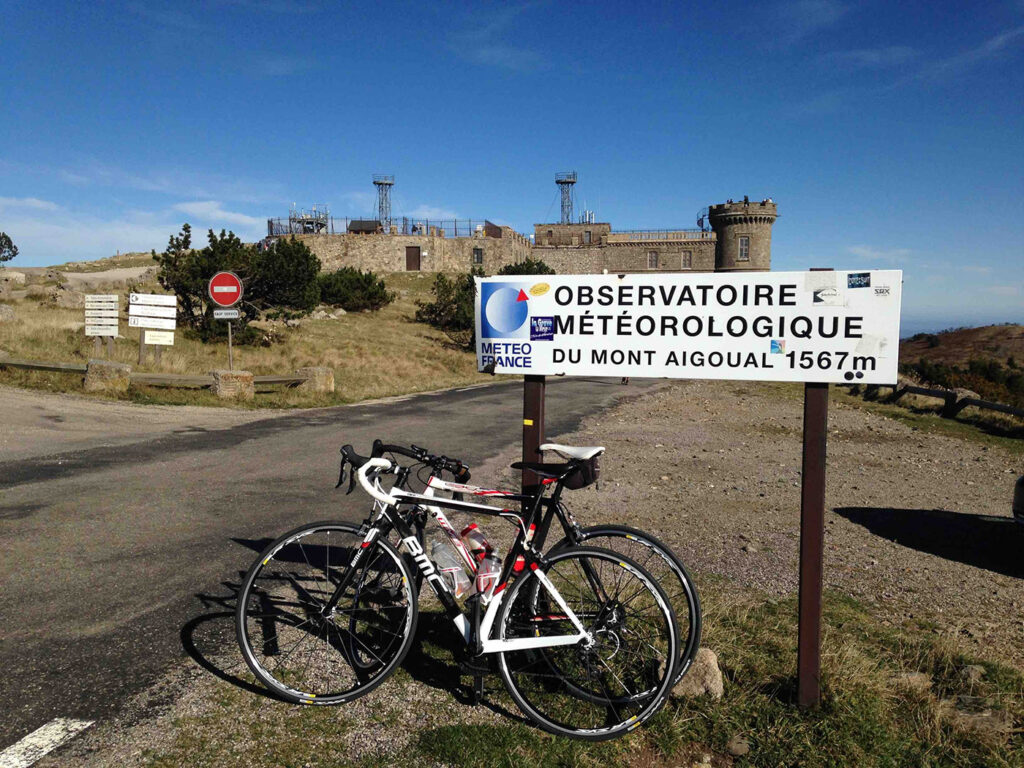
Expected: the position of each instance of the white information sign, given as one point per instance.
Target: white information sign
(146, 310)
(161, 323)
(159, 299)
(225, 314)
(836, 327)
(159, 338)
(101, 314)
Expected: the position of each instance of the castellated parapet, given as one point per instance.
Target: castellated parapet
(743, 234)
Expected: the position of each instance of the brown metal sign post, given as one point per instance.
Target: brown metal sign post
(812, 540)
(533, 427)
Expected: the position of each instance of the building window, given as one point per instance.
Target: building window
(652, 259)
(478, 255)
(686, 261)
(744, 254)
(586, 236)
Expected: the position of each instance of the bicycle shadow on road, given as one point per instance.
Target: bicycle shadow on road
(209, 639)
(984, 541)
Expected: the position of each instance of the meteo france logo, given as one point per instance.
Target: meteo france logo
(504, 311)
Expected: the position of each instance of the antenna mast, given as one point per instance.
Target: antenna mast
(384, 185)
(565, 182)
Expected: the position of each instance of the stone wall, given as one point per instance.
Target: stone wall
(387, 253)
(571, 234)
(629, 258)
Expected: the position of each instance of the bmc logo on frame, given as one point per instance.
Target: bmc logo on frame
(504, 311)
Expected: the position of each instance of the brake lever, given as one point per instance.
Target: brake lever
(341, 474)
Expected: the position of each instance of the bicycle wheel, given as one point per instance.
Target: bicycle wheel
(612, 682)
(305, 653)
(666, 568)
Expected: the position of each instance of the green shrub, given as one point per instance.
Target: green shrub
(279, 280)
(528, 267)
(354, 290)
(452, 309)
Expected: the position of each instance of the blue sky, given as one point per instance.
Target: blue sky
(890, 134)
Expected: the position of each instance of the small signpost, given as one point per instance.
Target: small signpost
(155, 315)
(813, 327)
(225, 290)
(101, 320)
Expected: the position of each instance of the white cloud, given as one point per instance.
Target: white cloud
(483, 43)
(879, 254)
(28, 202)
(212, 212)
(873, 58)
(431, 212)
(801, 18)
(1012, 291)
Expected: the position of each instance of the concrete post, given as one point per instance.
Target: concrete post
(105, 376)
(316, 379)
(233, 385)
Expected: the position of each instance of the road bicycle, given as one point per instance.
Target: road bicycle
(578, 470)
(585, 640)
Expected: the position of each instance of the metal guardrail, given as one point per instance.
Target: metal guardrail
(952, 403)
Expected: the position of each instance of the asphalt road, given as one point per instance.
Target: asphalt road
(107, 544)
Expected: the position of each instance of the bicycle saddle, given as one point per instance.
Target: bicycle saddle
(583, 453)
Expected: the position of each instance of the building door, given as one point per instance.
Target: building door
(412, 258)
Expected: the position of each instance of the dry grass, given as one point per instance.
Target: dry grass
(373, 354)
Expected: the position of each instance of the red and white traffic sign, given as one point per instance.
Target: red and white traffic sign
(225, 289)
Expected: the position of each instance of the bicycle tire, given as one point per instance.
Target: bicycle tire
(681, 588)
(357, 646)
(611, 686)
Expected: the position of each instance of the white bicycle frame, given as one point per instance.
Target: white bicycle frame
(496, 595)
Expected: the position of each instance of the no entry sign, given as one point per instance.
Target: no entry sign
(225, 289)
(771, 326)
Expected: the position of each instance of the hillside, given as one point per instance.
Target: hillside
(988, 360)
(961, 345)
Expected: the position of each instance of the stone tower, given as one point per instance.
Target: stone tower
(743, 234)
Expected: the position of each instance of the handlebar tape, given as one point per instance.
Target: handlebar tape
(387, 448)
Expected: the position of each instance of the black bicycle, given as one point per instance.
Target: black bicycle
(579, 470)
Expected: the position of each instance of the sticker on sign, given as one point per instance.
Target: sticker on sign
(225, 314)
(768, 326)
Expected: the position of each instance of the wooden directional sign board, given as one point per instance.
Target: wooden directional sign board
(101, 315)
(225, 289)
(152, 310)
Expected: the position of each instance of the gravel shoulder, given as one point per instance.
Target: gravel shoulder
(918, 529)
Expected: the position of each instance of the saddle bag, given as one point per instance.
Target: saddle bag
(585, 474)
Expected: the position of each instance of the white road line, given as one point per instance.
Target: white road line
(42, 741)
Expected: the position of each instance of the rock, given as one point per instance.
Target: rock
(972, 673)
(36, 291)
(68, 299)
(233, 385)
(339, 312)
(961, 393)
(12, 277)
(105, 376)
(319, 315)
(749, 548)
(704, 678)
(317, 379)
(738, 746)
(915, 681)
(292, 323)
(7, 314)
(996, 722)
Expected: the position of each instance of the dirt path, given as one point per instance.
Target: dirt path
(917, 525)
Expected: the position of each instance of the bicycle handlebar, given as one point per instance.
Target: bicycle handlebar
(369, 487)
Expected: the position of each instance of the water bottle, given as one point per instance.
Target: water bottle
(476, 542)
(487, 573)
(450, 567)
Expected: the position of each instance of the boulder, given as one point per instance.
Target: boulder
(233, 385)
(316, 379)
(704, 678)
(105, 376)
(7, 314)
(12, 277)
(68, 299)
